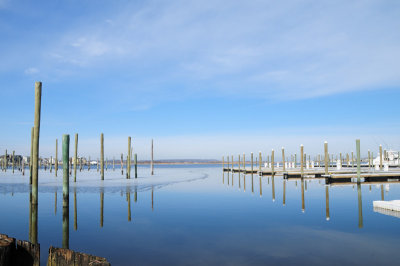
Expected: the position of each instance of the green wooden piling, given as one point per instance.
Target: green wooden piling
(135, 162)
(36, 130)
(65, 153)
(102, 155)
(75, 155)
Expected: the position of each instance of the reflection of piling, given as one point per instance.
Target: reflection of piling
(273, 187)
(36, 130)
(260, 187)
(101, 207)
(102, 155)
(128, 163)
(152, 198)
(327, 202)
(88, 165)
(75, 211)
(284, 192)
(135, 162)
(382, 193)
(55, 202)
(113, 163)
(135, 194)
(75, 155)
(65, 227)
(360, 217)
(303, 207)
(128, 194)
(232, 170)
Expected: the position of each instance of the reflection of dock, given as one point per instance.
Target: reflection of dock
(387, 212)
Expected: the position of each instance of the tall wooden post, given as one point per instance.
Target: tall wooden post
(380, 157)
(102, 155)
(152, 158)
(259, 161)
(251, 158)
(128, 163)
(12, 161)
(65, 153)
(283, 159)
(272, 162)
(326, 157)
(122, 164)
(358, 160)
(135, 162)
(36, 130)
(75, 155)
(302, 160)
(56, 159)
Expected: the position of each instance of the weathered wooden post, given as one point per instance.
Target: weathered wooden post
(51, 163)
(259, 162)
(75, 155)
(36, 130)
(380, 157)
(302, 160)
(152, 158)
(326, 157)
(102, 155)
(5, 162)
(358, 160)
(56, 159)
(65, 153)
(239, 167)
(113, 163)
(272, 162)
(88, 164)
(135, 162)
(283, 159)
(369, 159)
(128, 163)
(244, 163)
(251, 158)
(232, 166)
(223, 163)
(12, 161)
(352, 159)
(122, 164)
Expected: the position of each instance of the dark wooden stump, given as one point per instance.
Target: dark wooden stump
(67, 257)
(27, 253)
(7, 250)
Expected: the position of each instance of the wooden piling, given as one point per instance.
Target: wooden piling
(369, 159)
(102, 155)
(135, 162)
(65, 153)
(302, 160)
(244, 163)
(358, 160)
(75, 155)
(36, 130)
(56, 159)
(122, 164)
(12, 162)
(380, 157)
(259, 161)
(251, 158)
(51, 163)
(272, 162)
(326, 157)
(152, 158)
(128, 163)
(283, 159)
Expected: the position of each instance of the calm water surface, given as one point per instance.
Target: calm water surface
(196, 215)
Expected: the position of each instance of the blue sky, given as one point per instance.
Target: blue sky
(203, 78)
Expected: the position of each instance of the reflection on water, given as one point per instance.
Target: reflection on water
(190, 223)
